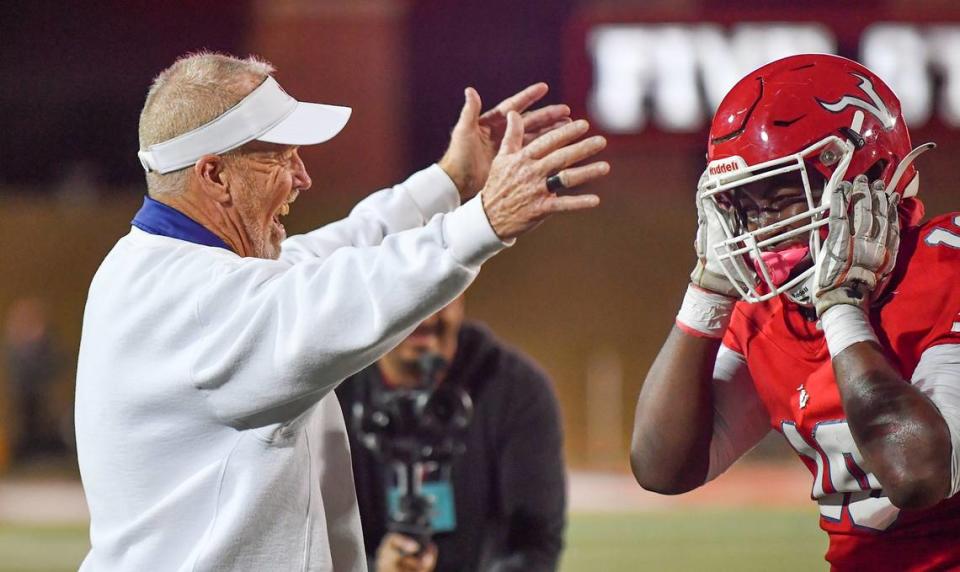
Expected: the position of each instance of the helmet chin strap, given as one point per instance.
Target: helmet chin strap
(802, 293)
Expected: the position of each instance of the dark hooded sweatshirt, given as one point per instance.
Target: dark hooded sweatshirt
(508, 487)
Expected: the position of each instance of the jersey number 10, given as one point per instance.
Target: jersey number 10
(840, 483)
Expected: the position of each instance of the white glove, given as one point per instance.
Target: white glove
(861, 246)
(708, 274)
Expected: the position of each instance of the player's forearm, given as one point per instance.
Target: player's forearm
(903, 438)
(674, 416)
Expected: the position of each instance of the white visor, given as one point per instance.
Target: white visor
(266, 114)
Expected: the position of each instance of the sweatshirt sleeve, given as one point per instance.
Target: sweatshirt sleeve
(532, 483)
(276, 337)
(407, 205)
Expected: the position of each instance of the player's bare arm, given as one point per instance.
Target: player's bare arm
(673, 424)
(901, 434)
(903, 438)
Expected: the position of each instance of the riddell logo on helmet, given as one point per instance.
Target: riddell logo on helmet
(724, 168)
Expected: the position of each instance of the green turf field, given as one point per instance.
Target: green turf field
(41, 548)
(713, 540)
(662, 542)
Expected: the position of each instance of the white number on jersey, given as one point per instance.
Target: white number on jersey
(840, 483)
(941, 235)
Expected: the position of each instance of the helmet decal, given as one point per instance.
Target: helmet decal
(874, 106)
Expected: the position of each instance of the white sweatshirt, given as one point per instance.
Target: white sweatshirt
(208, 434)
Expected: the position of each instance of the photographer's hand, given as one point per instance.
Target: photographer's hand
(399, 553)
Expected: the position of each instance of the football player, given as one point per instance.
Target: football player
(821, 308)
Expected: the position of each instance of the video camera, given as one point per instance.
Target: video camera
(413, 430)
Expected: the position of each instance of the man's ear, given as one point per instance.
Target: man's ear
(209, 171)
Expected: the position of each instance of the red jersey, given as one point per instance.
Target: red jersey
(788, 360)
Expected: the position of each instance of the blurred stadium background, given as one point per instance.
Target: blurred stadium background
(589, 296)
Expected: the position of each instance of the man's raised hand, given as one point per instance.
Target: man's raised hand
(477, 137)
(516, 197)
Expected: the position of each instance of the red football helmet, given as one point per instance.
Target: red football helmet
(812, 111)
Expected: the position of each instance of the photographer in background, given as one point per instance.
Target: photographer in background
(509, 494)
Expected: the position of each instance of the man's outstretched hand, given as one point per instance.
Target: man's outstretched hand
(476, 138)
(516, 198)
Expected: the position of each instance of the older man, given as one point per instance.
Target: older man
(208, 435)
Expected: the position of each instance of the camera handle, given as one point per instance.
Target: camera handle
(431, 364)
(412, 517)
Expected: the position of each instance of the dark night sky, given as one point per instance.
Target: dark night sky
(75, 75)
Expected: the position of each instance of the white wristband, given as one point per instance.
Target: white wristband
(706, 313)
(844, 325)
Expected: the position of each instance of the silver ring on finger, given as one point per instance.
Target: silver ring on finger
(555, 183)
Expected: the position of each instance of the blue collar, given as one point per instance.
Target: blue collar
(157, 218)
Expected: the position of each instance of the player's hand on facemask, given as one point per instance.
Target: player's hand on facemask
(476, 137)
(861, 245)
(399, 553)
(708, 274)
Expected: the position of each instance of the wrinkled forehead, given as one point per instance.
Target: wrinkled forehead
(265, 148)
